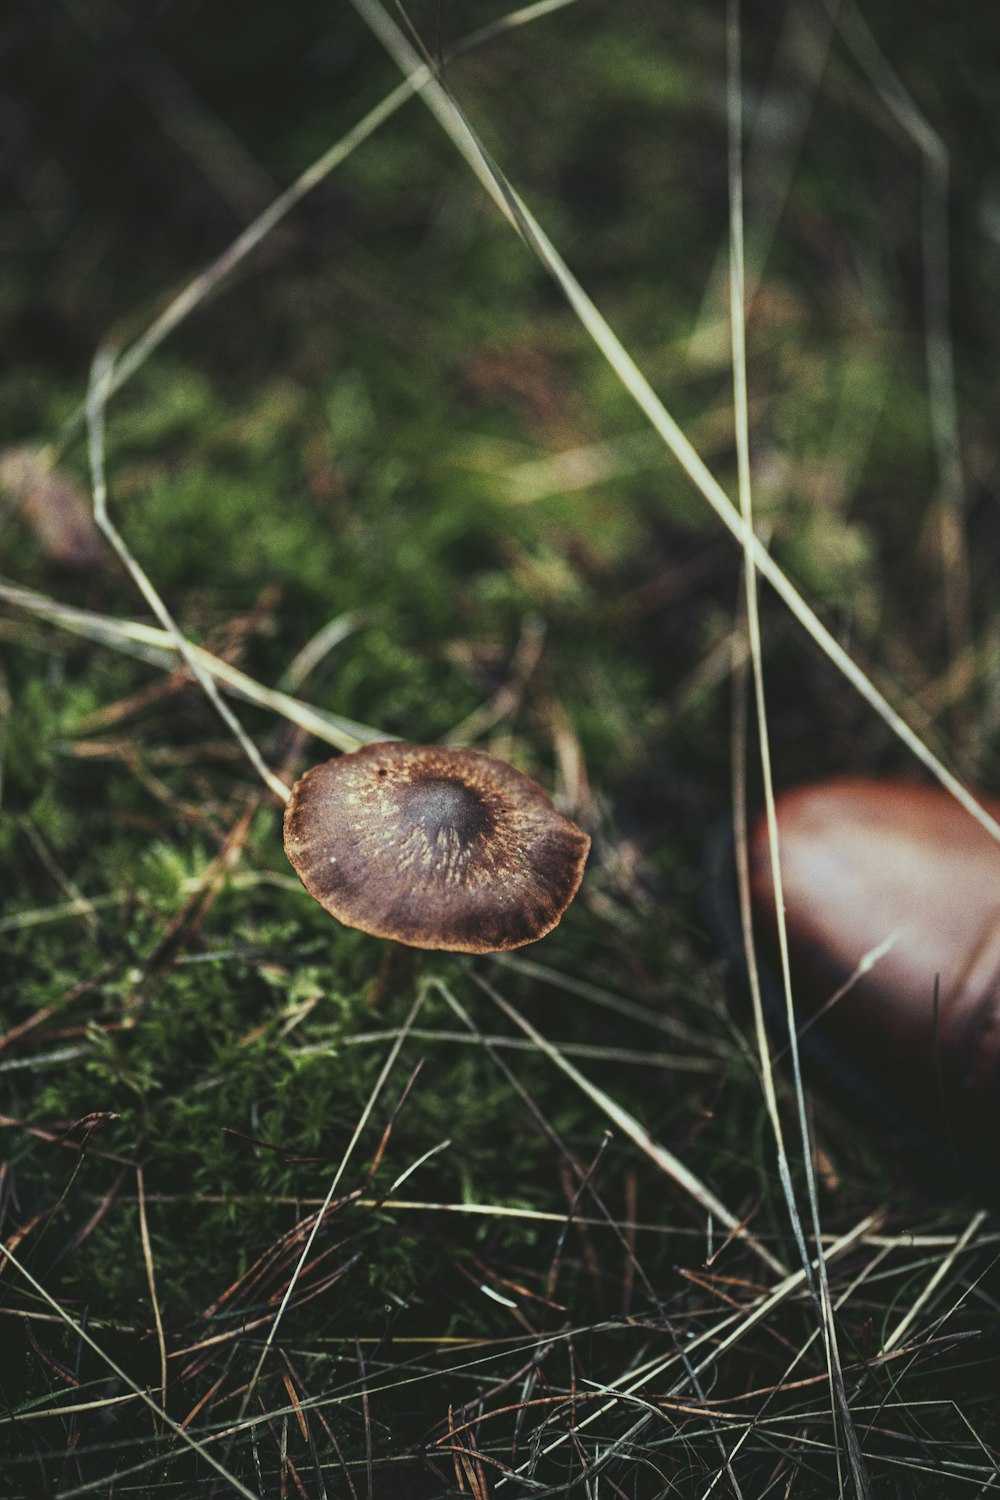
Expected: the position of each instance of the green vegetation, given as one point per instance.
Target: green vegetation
(388, 416)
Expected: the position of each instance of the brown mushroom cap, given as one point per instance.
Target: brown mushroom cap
(436, 848)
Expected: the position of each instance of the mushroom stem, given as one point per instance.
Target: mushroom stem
(395, 974)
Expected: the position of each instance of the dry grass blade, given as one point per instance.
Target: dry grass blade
(293, 1397)
(606, 999)
(677, 1061)
(70, 1409)
(147, 1255)
(864, 966)
(203, 1401)
(734, 92)
(316, 650)
(904, 1239)
(752, 617)
(775, 138)
(366, 1416)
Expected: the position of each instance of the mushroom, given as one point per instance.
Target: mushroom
(892, 907)
(436, 848)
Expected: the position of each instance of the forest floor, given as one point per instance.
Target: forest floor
(287, 1211)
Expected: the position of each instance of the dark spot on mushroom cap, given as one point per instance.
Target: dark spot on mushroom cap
(439, 805)
(436, 848)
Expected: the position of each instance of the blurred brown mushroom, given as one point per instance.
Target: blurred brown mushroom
(435, 848)
(892, 907)
(55, 507)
